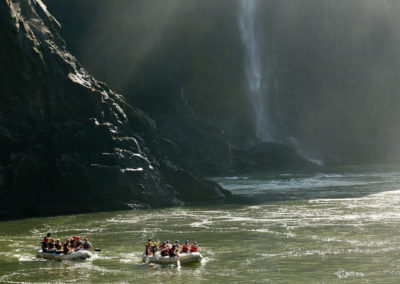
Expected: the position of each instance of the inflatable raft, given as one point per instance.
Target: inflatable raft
(183, 258)
(80, 254)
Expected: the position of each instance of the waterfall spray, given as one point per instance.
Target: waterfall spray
(264, 128)
(262, 83)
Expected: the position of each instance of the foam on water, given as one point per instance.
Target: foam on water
(327, 224)
(342, 274)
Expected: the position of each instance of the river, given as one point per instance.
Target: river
(339, 225)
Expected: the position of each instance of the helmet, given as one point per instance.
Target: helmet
(177, 241)
(85, 239)
(149, 239)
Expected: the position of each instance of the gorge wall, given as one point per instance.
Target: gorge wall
(331, 66)
(67, 142)
(327, 85)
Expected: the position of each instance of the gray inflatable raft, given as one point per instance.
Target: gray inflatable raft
(183, 258)
(80, 254)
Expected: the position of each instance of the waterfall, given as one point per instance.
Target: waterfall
(259, 96)
(262, 83)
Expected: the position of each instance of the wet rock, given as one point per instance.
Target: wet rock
(63, 133)
(195, 144)
(7, 144)
(190, 188)
(31, 169)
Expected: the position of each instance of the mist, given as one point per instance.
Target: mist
(335, 66)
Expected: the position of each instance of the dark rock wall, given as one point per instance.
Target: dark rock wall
(181, 74)
(67, 142)
(335, 65)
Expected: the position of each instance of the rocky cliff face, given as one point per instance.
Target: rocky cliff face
(67, 142)
(334, 67)
(170, 59)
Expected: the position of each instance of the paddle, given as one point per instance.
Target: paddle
(178, 264)
(97, 249)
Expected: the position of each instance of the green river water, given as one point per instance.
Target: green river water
(336, 226)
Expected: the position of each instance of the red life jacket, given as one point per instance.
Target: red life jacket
(193, 249)
(185, 248)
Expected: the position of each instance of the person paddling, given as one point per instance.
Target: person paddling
(154, 247)
(58, 246)
(71, 242)
(86, 244)
(52, 245)
(194, 247)
(173, 251)
(47, 236)
(77, 242)
(185, 247)
(148, 245)
(45, 244)
(67, 247)
(164, 249)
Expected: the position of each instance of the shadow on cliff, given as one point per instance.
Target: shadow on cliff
(68, 143)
